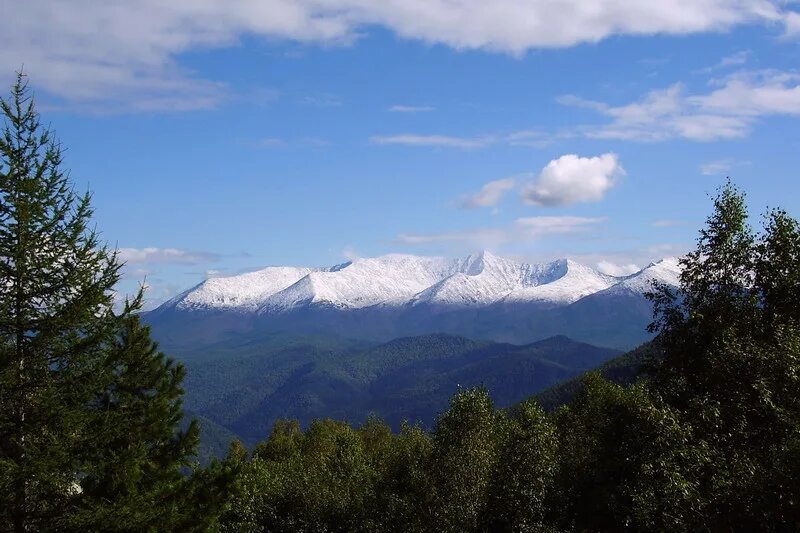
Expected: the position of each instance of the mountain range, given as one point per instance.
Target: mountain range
(378, 299)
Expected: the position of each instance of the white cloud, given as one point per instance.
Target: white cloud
(720, 166)
(477, 238)
(572, 179)
(410, 109)
(537, 227)
(727, 112)
(128, 52)
(523, 230)
(614, 269)
(735, 59)
(441, 141)
(712, 168)
(490, 194)
(530, 138)
(791, 22)
(132, 256)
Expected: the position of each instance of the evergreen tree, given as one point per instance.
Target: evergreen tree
(88, 407)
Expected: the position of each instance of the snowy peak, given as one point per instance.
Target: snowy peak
(365, 282)
(245, 291)
(400, 280)
(562, 282)
(665, 271)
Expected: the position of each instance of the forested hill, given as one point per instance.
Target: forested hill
(244, 391)
(625, 369)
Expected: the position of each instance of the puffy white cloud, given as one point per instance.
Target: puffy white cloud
(572, 179)
(127, 52)
(614, 269)
(490, 194)
(149, 255)
(727, 112)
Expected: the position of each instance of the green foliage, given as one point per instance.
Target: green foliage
(89, 408)
(625, 458)
(525, 472)
(731, 366)
(463, 460)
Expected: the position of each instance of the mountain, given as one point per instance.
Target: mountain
(244, 389)
(625, 370)
(378, 299)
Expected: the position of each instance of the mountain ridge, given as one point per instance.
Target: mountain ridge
(377, 299)
(400, 279)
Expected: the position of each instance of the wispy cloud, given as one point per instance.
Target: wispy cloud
(410, 109)
(542, 226)
(490, 194)
(732, 60)
(720, 166)
(439, 141)
(727, 112)
(571, 179)
(152, 255)
(530, 138)
(526, 229)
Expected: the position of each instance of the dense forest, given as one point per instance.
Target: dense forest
(702, 435)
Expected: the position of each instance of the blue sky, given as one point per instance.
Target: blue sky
(219, 137)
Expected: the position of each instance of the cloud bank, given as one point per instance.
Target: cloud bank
(126, 53)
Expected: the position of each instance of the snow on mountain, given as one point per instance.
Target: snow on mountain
(243, 292)
(382, 280)
(665, 271)
(485, 278)
(398, 280)
(571, 281)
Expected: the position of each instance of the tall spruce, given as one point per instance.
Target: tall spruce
(89, 409)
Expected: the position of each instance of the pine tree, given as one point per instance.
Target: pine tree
(88, 407)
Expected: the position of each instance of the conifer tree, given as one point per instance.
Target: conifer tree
(88, 407)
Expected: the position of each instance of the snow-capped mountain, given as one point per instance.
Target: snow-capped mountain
(481, 294)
